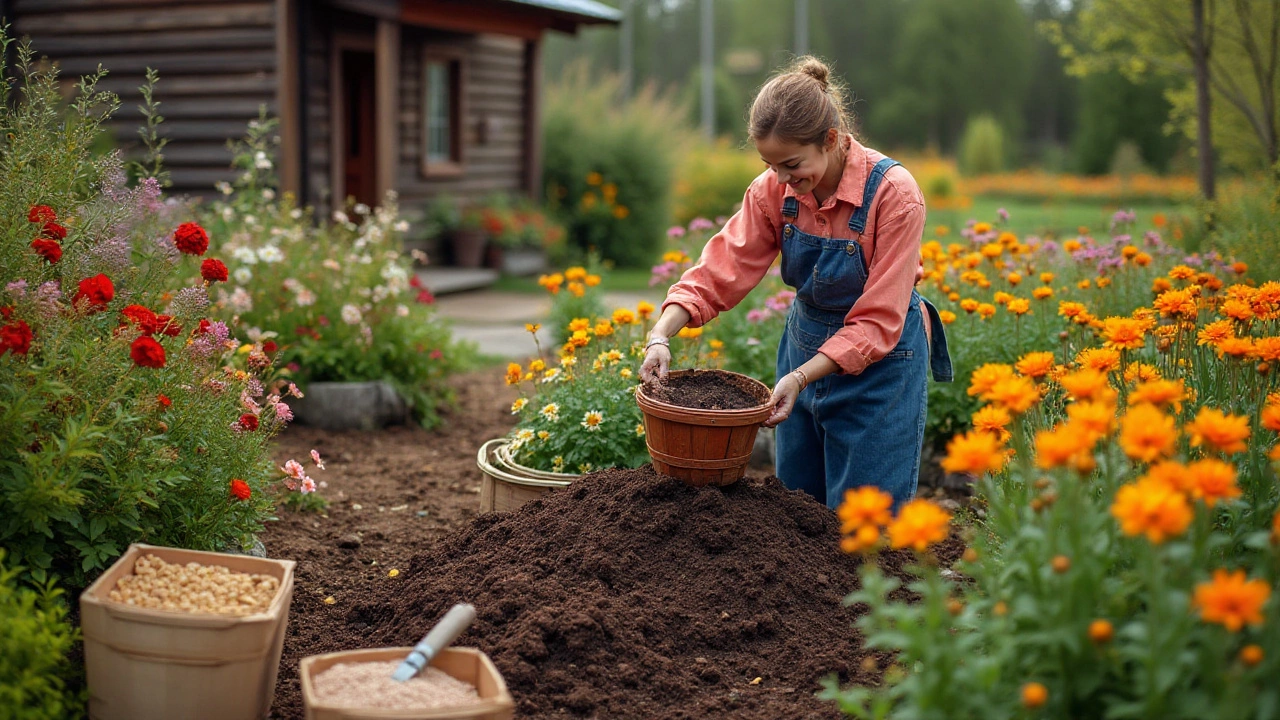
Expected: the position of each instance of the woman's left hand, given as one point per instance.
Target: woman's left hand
(783, 399)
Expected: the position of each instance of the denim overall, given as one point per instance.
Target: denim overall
(847, 431)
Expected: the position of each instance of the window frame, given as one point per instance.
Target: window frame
(455, 61)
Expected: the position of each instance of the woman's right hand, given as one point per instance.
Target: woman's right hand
(656, 365)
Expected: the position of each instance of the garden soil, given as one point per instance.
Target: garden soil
(628, 595)
(709, 390)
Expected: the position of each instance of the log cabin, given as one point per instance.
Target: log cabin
(418, 96)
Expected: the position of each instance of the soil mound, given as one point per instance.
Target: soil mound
(708, 390)
(632, 595)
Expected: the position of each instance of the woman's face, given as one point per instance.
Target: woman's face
(800, 166)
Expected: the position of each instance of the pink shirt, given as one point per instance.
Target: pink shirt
(735, 260)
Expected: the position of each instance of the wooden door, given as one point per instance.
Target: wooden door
(358, 102)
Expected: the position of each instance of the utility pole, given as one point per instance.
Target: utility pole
(626, 59)
(802, 27)
(708, 71)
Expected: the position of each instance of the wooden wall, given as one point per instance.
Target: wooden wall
(216, 59)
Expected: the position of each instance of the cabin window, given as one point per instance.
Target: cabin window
(442, 78)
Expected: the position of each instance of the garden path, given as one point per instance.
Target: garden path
(495, 319)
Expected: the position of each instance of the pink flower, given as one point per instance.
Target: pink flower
(780, 302)
(315, 458)
(308, 485)
(283, 413)
(294, 469)
(294, 391)
(675, 231)
(757, 315)
(700, 223)
(436, 354)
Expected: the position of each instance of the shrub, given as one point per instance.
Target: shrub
(125, 414)
(339, 300)
(35, 638)
(1244, 227)
(711, 179)
(607, 166)
(982, 147)
(1129, 551)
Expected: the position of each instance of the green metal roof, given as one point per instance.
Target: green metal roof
(584, 11)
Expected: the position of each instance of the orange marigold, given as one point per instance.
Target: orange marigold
(1267, 349)
(1237, 310)
(1102, 359)
(1172, 474)
(1141, 372)
(974, 452)
(1085, 384)
(1176, 303)
(993, 419)
(1161, 393)
(1181, 272)
(1123, 333)
(1096, 417)
(1046, 277)
(986, 377)
(1271, 417)
(986, 310)
(1035, 364)
(1213, 480)
(1146, 434)
(919, 524)
(1230, 600)
(1042, 293)
(867, 505)
(1215, 332)
(1149, 507)
(1015, 393)
(864, 538)
(1019, 306)
(1223, 432)
(968, 305)
(1068, 309)
(1034, 695)
(1066, 444)
(1238, 348)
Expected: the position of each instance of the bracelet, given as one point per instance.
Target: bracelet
(801, 377)
(657, 341)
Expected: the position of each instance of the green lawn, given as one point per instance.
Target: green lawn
(616, 280)
(1060, 218)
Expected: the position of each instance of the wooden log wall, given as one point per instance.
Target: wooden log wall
(216, 59)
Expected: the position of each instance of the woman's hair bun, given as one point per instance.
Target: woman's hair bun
(814, 68)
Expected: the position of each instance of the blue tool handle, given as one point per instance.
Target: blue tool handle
(453, 624)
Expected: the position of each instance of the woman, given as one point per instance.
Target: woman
(859, 340)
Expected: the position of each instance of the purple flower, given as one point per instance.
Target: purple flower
(47, 297)
(675, 231)
(189, 302)
(757, 315)
(16, 289)
(700, 223)
(781, 301)
(112, 256)
(721, 220)
(1002, 214)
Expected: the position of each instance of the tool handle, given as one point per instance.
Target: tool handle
(453, 624)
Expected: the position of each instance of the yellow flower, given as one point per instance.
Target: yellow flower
(1226, 433)
(968, 305)
(604, 328)
(1230, 600)
(544, 435)
(625, 373)
(1142, 259)
(576, 289)
(1096, 417)
(1128, 252)
(1146, 434)
(946, 316)
(1042, 293)
(639, 429)
(580, 338)
(986, 377)
(644, 309)
(1149, 507)
(1015, 393)
(1101, 359)
(1161, 393)
(1014, 278)
(1160, 285)
(1215, 332)
(594, 178)
(974, 452)
(1271, 417)
(1007, 238)
(537, 366)
(1001, 298)
(981, 228)
(623, 316)
(1068, 309)
(1066, 444)
(919, 524)
(993, 419)
(1083, 284)
(1071, 245)
(550, 412)
(1177, 304)
(518, 405)
(986, 310)
(575, 274)
(1019, 306)
(867, 505)
(1181, 272)
(1085, 384)
(591, 280)
(514, 373)
(1213, 480)
(1034, 695)
(689, 333)
(591, 420)
(1046, 277)
(589, 200)
(1251, 655)
(532, 327)
(1123, 333)
(716, 344)
(1172, 474)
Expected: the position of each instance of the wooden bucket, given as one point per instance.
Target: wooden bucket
(507, 484)
(703, 447)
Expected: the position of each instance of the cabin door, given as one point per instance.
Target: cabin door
(356, 104)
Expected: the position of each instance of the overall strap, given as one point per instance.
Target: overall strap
(858, 222)
(790, 206)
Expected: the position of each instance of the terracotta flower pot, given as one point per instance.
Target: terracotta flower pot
(703, 447)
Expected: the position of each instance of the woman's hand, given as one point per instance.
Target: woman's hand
(657, 362)
(783, 399)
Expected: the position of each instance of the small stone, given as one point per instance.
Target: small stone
(330, 600)
(757, 681)
(349, 542)
(357, 506)
(700, 660)
(948, 504)
(422, 513)
(398, 508)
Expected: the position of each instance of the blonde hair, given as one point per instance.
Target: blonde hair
(799, 105)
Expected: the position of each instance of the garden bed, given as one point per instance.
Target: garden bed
(679, 625)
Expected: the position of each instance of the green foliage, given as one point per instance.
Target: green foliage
(582, 297)
(35, 638)
(92, 458)
(1113, 111)
(339, 299)
(729, 114)
(711, 179)
(982, 147)
(1244, 228)
(607, 166)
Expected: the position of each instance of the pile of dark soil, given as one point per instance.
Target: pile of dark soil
(708, 390)
(632, 595)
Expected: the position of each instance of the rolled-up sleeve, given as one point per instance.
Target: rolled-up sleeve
(732, 263)
(874, 323)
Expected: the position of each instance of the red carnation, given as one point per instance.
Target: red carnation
(249, 422)
(47, 249)
(415, 282)
(146, 320)
(53, 230)
(147, 353)
(15, 336)
(213, 270)
(41, 214)
(203, 327)
(6, 311)
(164, 400)
(270, 346)
(425, 297)
(240, 489)
(98, 290)
(191, 239)
(166, 325)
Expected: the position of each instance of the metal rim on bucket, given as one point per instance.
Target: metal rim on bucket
(498, 468)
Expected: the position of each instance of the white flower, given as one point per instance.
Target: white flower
(268, 194)
(351, 314)
(339, 216)
(245, 255)
(331, 264)
(402, 226)
(291, 284)
(361, 209)
(295, 213)
(402, 310)
(261, 161)
(251, 219)
(242, 275)
(392, 270)
(380, 293)
(518, 405)
(592, 420)
(241, 301)
(551, 375)
(224, 187)
(270, 254)
(524, 435)
(228, 213)
(550, 411)
(305, 297)
(365, 259)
